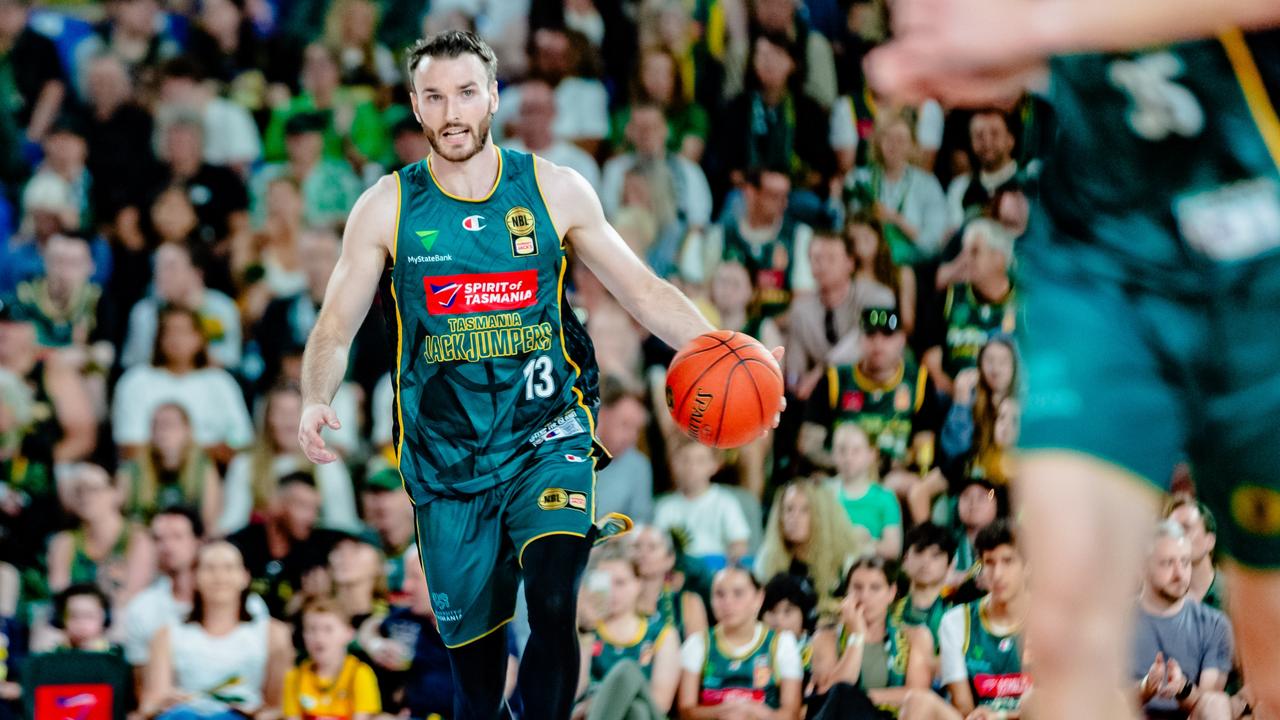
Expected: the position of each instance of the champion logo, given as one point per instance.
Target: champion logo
(473, 223)
(445, 294)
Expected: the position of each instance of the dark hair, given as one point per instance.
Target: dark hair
(888, 568)
(62, 599)
(614, 389)
(196, 616)
(158, 358)
(298, 477)
(182, 67)
(1004, 116)
(999, 532)
(1206, 515)
(184, 511)
(794, 589)
(882, 266)
(826, 232)
(452, 44)
(927, 535)
(637, 93)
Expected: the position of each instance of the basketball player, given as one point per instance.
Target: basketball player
(1152, 284)
(495, 378)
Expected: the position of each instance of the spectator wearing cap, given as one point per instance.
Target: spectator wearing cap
(823, 326)
(329, 188)
(626, 484)
(885, 393)
(230, 135)
(1207, 584)
(533, 131)
(980, 301)
(37, 71)
(350, 126)
(582, 104)
(388, 511)
(355, 571)
(49, 207)
(179, 281)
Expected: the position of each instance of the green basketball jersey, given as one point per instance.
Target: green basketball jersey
(884, 412)
(1165, 160)
(607, 652)
(491, 361)
(970, 322)
(752, 676)
(905, 612)
(994, 662)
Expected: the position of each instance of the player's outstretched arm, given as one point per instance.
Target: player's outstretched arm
(656, 303)
(366, 243)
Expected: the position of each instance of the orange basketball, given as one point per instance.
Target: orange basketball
(724, 388)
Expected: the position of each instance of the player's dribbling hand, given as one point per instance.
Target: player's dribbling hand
(316, 417)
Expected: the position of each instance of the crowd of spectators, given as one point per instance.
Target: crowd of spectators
(174, 177)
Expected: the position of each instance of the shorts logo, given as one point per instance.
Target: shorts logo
(520, 225)
(473, 223)
(578, 501)
(553, 499)
(1256, 509)
(574, 458)
(480, 292)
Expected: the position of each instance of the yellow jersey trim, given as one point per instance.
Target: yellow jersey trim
(641, 630)
(564, 349)
(764, 635)
(482, 635)
(395, 305)
(496, 181)
(833, 386)
(866, 384)
(537, 181)
(527, 543)
(1255, 92)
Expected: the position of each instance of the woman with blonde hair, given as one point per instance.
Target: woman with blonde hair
(170, 470)
(808, 534)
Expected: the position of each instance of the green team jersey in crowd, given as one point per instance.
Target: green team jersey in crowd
(969, 322)
(993, 662)
(887, 412)
(491, 361)
(1166, 160)
(607, 652)
(905, 612)
(752, 676)
(769, 265)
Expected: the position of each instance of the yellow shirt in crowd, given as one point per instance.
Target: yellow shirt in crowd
(353, 692)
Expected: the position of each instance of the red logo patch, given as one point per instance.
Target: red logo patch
(481, 292)
(74, 702)
(852, 401)
(1000, 686)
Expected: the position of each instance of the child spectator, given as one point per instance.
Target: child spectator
(331, 683)
(715, 523)
(791, 606)
(664, 588)
(857, 485)
(85, 664)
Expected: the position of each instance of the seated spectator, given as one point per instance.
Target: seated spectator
(176, 534)
(216, 192)
(411, 144)
(1207, 584)
(867, 503)
(582, 112)
(627, 658)
(105, 548)
(930, 550)
(812, 51)
(823, 326)
(665, 590)
(1182, 652)
(38, 79)
(708, 514)
(253, 475)
(49, 208)
(180, 373)
(132, 31)
(26, 470)
(809, 536)
(171, 470)
(770, 125)
(355, 571)
(225, 45)
(884, 394)
(980, 643)
(906, 200)
(790, 605)
(286, 546)
(331, 682)
(853, 124)
(351, 28)
(348, 126)
(977, 399)
(119, 134)
(873, 265)
(220, 662)
(977, 304)
(388, 512)
(179, 281)
(764, 237)
(978, 504)
(626, 484)
(870, 649)
(230, 135)
(740, 660)
(65, 156)
(86, 663)
(991, 142)
(270, 265)
(732, 297)
(659, 79)
(533, 131)
(329, 187)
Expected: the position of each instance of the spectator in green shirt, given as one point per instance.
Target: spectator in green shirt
(659, 80)
(857, 484)
(353, 128)
(329, 188)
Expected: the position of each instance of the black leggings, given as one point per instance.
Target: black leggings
(548, 677)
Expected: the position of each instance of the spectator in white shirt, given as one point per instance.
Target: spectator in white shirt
(992, 141)
(533, 132)
(582, 104)
(179, 281)
(848, 128)
(180, 373)
(708, 513)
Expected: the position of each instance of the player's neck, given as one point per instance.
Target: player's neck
(472, 178)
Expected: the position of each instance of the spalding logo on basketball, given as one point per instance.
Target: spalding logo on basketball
(724, 389)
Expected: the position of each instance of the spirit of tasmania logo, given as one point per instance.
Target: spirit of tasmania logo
(480, 292)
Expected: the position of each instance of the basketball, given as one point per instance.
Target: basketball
(724, 389)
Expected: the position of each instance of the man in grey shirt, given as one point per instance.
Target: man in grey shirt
(1182, 648)
(626, 484)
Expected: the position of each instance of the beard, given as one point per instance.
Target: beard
(479, 140)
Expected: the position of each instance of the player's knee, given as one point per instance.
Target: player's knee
(552, 604)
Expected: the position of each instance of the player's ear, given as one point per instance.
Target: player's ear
(493, 97)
